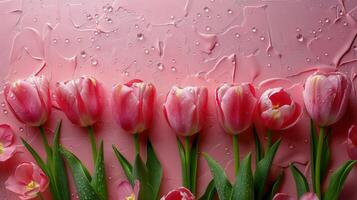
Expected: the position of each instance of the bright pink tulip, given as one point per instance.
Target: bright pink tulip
(27, 181)
(236, 105)
(127, 192)
(185, 109)
(179, 194)
(306, 196)
(80, 100)
(277, 109)
(326, 97)
(133, 105)
(7, 146)
(30, 100)
(352, 142)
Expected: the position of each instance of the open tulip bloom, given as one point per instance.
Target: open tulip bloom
(7, 146)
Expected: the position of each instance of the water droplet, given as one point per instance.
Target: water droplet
(126, 73)
(54, 41)
(317, 57)
(173, 69)
(345, 24)
(291, 146)
(83, 54)
(66, 41)
(140, 36)
(237, 35)
(146, 51)
(298, 29)
(198, 14)
(229, 11)
(109, 20)
(96, 15)
(355, 47)
(160, 66)
(197, 43)
(96, 32)
(173, 61)
(97, 47)
(2, 104)
(254, 30)
(94, 62)
(89, 17)
(35, 19)
(79, 39)
(327, 20)
(289, 68)
(172, 17)
(5, 112)
(110, 9)
(300, 37)
(262, 38)
(319, 30)
(325, 54)
(308, 59)
(328, 38)
(208, 28)
(206, 9)
(268, 65)
(21, 129)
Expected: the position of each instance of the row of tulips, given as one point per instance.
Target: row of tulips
(325, 97)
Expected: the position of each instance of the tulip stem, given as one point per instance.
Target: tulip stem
(269, 142)
(137, 143)
(40, 196)
(318, 162)
(45, 142)
(236, 153)
(92, 142)
(187, 156)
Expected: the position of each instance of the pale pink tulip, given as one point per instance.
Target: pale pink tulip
(277, 110)
(306, 196)
(7, 146)
(326, 97)
(235, 105)
(185, 109)
(80, 100)
(29, 99)
(28, 181)
(352, 142)
(179, 194)
(133, 105)
(127, 192)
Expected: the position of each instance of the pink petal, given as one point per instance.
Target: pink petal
(282, 196)
(352, 142)
(7, 153)
(309, 196)
(125, 190)
(179, 194)
(6, 135)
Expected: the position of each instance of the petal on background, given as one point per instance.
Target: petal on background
(6, 135)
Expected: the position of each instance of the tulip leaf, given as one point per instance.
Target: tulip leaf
(140, 172)
(301, 183)
(337, 180)
(193, 164)
(275, 186)
(222, 184)
(59, 169)
(83, 186)
(98, 180)
(258, 147)
(262, 170)
(210, 191)
(155, 170)
(126, 166)
(183, 163)
(313, 150)
(243, 187)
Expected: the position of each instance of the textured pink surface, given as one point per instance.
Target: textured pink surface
(184, 42)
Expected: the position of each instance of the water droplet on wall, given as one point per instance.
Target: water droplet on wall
(140, 36)
(254, 30)
(94, 62)
(206, 9)
(229, 11)
(160, 66)
(300, 37)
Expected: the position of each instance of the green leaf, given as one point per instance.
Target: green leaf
(337, 180)
(262, 170)
(223, 186)
(83, 186)
(313, 150)
(276, 185)
(98, 180)
(193, 164)
(125, 165)
(183, 163)
(140, 172)
(243, 187)
(301, 183)
(155, 170)
(258, 147)
(210, 192)
(59, 169)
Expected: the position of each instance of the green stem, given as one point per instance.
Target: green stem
(137, 143)
(187, 156)
(92, 142)
(269, 142)
(318, 162)
(45, 143)
(236, 153)
(40, 196)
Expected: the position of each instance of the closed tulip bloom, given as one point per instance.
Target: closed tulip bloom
(30, 100)
(235, 105)
(179, 194)
(28, 181)
(326, 97)
(278, 110)
(352, 142)
(185, 109)
(133, 105)
(80, 100)
(7, 146)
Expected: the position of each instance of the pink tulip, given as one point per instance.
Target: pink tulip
(133, 105)
(352, 142)
(30, 100)
(306, 196)
(326, 97)
(80, 100)
(127, 192)
(185, 109)
(277, 109)
(7, 146)
(179, 194)
(28, 181)
(236, 105)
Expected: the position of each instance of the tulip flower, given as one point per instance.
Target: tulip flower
(127, 192)
(235, 109)
(185, 110)
(7, 146)
(352, 142)
(306, 196)
(277, 110)
(28, 181)
(179, 194)
(29, 99)
(326, 97)
(133, 104)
